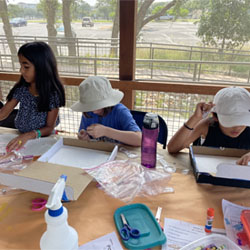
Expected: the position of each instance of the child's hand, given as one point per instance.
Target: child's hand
(202, 109)
(83, 135)
(17, 143)
(96, 130)
(244, 159)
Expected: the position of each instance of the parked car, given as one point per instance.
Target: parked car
(87, 21)
(167, 17)
(60, 32)
(18, 21)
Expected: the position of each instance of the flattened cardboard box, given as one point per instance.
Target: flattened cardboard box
(228, 173)
(41, 176)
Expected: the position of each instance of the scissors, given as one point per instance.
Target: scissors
(126, 232)
(38, 204)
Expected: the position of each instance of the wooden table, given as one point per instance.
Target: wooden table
(92, 214)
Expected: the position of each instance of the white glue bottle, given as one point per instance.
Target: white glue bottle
(59, 234)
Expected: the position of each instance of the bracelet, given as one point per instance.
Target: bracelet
(186, 126)
(38, 133)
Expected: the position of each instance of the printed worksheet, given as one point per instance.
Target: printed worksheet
(106, 242)
(180, 233)
(232, 222)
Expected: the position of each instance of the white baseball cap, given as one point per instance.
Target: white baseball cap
(232, 106)
(96, 93)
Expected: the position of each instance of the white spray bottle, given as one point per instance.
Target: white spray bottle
(59, 234)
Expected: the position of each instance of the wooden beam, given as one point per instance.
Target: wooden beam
(128, 12)
(175, 87)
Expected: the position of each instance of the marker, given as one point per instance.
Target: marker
(209, 222)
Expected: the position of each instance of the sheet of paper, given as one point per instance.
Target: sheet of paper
(34, 147)
(208, 163)
(180, 233)
(79, 157)
(226, 170)
(76, 156)
(233, 225)
(106, 242)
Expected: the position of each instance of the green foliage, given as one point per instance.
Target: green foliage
(106, 9)
(225, 23)
(15, 11)
(43, 8)
(80, 9)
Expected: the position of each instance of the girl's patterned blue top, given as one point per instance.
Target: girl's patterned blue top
(28, 117)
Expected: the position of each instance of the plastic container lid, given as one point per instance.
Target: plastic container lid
(218, 240)
(140, 217)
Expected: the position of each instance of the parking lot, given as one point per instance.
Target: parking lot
(165, 32)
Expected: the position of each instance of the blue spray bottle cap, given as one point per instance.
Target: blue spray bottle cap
(54, 203)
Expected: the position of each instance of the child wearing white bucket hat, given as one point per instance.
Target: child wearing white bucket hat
(228, 127)
(104, 117)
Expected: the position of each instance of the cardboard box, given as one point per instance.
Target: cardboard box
(218, 166)
(41, 175)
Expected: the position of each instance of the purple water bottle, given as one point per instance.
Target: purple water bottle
(150, 133)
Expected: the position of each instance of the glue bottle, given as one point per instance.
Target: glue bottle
(210, 219)
(59, 234)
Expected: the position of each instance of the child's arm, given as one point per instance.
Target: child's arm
(7, 108)
(191, 130)
(20, 140)
(127, 137)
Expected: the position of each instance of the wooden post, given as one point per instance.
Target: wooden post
(128, 12)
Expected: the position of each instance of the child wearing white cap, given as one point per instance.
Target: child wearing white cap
(228, 127)
(104, 117)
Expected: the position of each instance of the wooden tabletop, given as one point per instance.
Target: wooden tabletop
(92, 214)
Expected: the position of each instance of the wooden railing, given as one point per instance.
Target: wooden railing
(129, 86)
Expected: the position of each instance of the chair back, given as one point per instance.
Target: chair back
(163, 129)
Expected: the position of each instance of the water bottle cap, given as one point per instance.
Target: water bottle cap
(151, 121)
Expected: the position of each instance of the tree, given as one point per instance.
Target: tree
(80, 9)
(105, 8)
(67, 27)
(14, 10)
(143, 15)
(143, 19)
(7, 27)
(225, 24)
(49, 9)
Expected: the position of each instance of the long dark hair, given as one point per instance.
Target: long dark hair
(46, 74)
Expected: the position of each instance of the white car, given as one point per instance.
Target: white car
(87, 21)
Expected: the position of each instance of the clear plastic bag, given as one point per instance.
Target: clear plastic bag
(155, 182)
(126, 179)
(13, 161)
(5, 190)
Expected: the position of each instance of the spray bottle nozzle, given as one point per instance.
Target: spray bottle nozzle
(54, 203)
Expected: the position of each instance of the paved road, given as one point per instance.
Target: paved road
(164, 32)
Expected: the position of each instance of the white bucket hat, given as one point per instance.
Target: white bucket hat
(96, 93)
(232, 106)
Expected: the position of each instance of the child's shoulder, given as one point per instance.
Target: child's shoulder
(120, 106)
